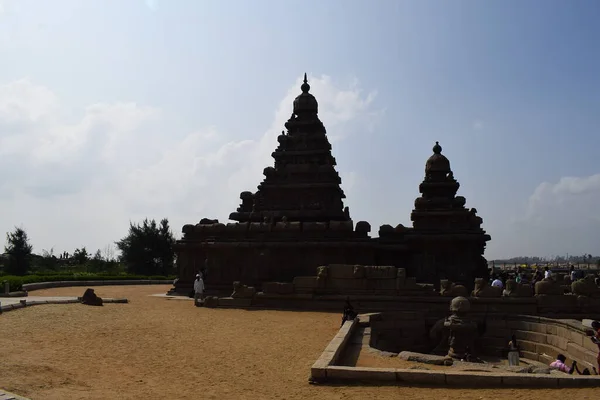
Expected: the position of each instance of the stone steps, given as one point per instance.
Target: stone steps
(4, 395)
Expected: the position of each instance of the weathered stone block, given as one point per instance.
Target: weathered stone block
(545, 359)
(578, 381)
(340, 271)
(530, 380)
(557, 342)
(576, 337)
(582, 354)
(551, 329)
(532, 355)
(381, 284)
(380, 272)
(314, 226)
(278, 288)
(548, 287)
(305, 282)
(318, 371)
(421, 377)
(361, 374)
(232, 302)
(473, 379)
(347, 284)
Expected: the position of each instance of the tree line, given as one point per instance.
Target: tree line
(570, 259)
(147, 249)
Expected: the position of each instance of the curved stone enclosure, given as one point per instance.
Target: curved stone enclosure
(333, 366)
(540, 339)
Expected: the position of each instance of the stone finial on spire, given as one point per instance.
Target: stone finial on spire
(437, 149)
(305, 86)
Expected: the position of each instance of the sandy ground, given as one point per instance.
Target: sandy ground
(159, 348)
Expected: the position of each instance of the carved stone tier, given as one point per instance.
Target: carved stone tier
(303, 185)
(447, 234)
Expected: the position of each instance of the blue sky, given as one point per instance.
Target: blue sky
(114, 110)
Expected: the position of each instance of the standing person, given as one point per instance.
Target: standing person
(573, 274)
(198, 290)
(513, 351)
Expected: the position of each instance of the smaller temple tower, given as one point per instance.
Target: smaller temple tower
(303, 185)
(448, 236)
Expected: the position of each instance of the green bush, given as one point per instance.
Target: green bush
(16, 282)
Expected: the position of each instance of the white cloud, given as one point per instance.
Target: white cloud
(567, 202)
(79, 181)
(560, 218)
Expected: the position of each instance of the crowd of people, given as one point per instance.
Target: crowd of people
(498, 279)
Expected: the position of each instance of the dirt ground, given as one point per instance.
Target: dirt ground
(159, 348)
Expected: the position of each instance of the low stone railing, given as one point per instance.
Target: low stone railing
(28, 287)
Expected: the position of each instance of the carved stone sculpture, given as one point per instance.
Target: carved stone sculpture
(482, 289)
(514, 289)
(90, 298)
(242, 291)
(449, 289)
(462, 331)
(585, 287)
(548, 287)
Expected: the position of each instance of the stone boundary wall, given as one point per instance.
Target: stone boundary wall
(383, 288)
(25, 303)
(28, 287)
(324, 370)
(333, 351)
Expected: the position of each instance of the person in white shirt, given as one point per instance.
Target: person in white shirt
(497, 282)
(547, 273)
(198, 290)
(573, 274)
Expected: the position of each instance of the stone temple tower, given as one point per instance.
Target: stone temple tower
(303, 185)
(447, 234)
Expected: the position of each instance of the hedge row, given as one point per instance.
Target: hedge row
(16, 282)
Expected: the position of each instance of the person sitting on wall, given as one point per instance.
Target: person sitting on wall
(349, 313)
(547, 273)
(560, 364)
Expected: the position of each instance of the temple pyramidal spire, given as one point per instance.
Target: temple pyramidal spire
(303, 185)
